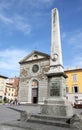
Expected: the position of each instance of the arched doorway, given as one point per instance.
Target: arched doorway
(34, 91)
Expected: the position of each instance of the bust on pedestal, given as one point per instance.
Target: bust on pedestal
(56, 104)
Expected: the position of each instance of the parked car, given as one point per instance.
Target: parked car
(78, 103)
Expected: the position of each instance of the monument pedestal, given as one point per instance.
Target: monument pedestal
(57, 107)
(56, 104)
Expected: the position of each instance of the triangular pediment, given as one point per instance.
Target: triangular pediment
(35, 55)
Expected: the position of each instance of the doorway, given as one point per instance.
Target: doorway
(34, 91)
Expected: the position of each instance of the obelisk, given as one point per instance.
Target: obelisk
(56, 51)
(56, 103)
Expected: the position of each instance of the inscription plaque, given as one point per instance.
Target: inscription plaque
(55, 89)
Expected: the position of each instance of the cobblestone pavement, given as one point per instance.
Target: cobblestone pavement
(11, 113)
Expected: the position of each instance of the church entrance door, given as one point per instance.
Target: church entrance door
(34, 91)
(34, 95)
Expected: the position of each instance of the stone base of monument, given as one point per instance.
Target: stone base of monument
(38, 122)
(57, 107)
(56, 104)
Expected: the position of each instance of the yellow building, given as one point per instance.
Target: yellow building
(8, 87)
(74, 84)
(2, 86)
(9, 91)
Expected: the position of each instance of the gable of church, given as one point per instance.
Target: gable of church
(35, 55)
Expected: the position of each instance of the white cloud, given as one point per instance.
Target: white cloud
(9, 59)
(73, 41)
(76, 37)
(48, 2)
(78, 61)
(17, 15)
(4, 5)
(16, 22)
(75, 62)
(5, 19)
(73, 38)
(63, 35)
(34, 3)
(21, 24)
(11, 17)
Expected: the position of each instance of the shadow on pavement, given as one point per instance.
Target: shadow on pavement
(15, 109)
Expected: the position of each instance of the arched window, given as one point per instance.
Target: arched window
(34, 83)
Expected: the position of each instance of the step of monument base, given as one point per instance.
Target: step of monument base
(35, 125)
(49, 117)
(39, 122)
(55, 122)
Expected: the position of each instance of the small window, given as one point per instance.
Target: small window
(67, 89)
(75, 89)
(74, 77)
(4, 94)
(67, 97)
(5, 90)
(35, 56)
(1, 88)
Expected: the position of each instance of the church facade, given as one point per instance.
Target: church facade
(33, 80)
(33, 83)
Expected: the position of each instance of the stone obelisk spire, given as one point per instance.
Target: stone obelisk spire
(56, 51)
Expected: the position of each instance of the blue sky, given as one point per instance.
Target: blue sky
(25, 25)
